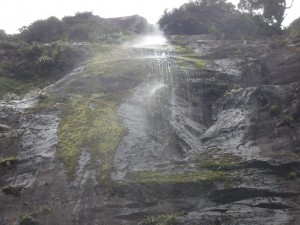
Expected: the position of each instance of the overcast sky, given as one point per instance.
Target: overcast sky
(17, 13)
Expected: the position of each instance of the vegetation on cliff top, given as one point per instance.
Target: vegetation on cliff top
(42, 52)
(82, 27)
(294, 29)
(263, 17)
(24, 66)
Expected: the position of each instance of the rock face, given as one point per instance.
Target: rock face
(255, 120)
(212, 137)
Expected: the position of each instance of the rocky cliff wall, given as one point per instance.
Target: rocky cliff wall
(200, 131)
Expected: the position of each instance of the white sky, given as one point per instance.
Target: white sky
(17, 13)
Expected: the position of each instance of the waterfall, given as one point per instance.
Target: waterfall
(154, 113)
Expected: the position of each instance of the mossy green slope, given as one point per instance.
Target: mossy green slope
(89, 121)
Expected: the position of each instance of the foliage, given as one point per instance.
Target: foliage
(40, 54)
(167, 219)
(292, 176)
(207, 16)
(274, 110)
(46, 210)
(153, 177)
(8, 162)
(255, 17)
(97, 126)
(289, 120)
(47, 30)
(213, 159)
(83, 26)
(7, 45)
(14, 191)
(272, 10)
(294, 28)
(27, 220)
(3, 35)
(186, 56)
(24, 66)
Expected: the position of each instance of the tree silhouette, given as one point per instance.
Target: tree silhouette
(273, 11)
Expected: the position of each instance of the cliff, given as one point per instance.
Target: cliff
(187, 131)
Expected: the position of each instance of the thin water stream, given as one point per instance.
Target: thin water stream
(144, 148)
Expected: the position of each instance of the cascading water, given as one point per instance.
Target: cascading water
(141, 148)
(153, 114)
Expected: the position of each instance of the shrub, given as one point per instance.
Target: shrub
(8, 162)
(7, 45)
(27, 220)
(274, 110)
(289, 120)
(292, 176)
(160, 220)
(14, 191)
(294, 28)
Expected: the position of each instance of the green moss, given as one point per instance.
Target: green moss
(89, 120)
(91, 123)
(185, 55)
(289, 120)
(8, 162)
(14, 191)
(181, 49)
(236, 86)
(292, 175)
(153, 177)
(27, 220)
(198, 63)
(118, 62)
(8, 85)
(167, 219)
(274, 110)
(46, 103)
(44, 210)
(226, 162)
(214, 159)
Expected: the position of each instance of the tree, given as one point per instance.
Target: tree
(221, 4)
(294, 28)
(216, 17)
(3, 35)
(273, 11)
(47, 30)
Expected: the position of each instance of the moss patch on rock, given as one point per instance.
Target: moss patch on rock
(166, 219)
(46, 103)
(153, 177)
(89, 120)
(214, 159)
(8, 162)
(27, 220)
(185, 56)
(14, 86)
(292, 175)
(112, 61)
(90, 123)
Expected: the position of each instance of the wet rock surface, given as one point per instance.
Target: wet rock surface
(215, 144)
